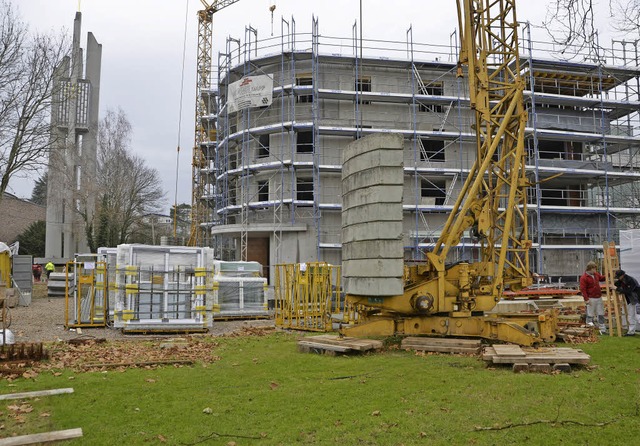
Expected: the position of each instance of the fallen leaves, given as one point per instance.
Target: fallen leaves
(274, 385)
(18, 411)
(22, 408)
(98, 355)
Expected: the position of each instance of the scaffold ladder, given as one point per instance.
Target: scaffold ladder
(446, 115)
(614, 299)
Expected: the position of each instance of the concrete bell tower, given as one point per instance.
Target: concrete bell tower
(71, 191)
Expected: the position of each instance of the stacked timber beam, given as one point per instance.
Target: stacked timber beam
(332, 345)
(442, 345)
(535, 359)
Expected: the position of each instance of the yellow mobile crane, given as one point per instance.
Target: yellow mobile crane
(451, 300)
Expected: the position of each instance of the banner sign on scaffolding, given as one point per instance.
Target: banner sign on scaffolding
(250, 91)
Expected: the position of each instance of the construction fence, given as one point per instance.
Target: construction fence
(308, 296)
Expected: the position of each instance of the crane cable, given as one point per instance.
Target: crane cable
(184, 52)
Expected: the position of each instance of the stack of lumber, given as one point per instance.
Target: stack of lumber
(576, 333)
(332, 345)
(442, 345)
(31, 351)
(537, 359)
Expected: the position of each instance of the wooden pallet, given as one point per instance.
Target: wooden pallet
(333, 345)
(514, 354)
(442, 345)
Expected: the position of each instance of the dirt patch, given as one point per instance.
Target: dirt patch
(44, 320)
(109, 348)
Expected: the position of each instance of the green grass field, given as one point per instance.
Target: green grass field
(263, 392)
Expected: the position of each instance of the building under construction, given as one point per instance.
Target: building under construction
(271, 175)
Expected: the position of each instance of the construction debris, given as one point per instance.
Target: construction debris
(332, 345)
(119, 355)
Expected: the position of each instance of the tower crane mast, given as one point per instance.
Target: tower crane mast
(199, 236)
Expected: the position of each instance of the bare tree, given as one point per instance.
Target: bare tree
(627, 14)
(27, 64)
(572, 24)
(127, 188)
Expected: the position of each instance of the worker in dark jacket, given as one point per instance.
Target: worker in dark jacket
(592, 294)
(628, 286)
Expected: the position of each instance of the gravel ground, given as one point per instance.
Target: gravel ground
(43, 321)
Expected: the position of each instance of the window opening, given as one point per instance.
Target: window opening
(433, 192)
(303, 81)
(304, 142)
(432, 150)
(304, 189)
(263, 190)
(263, 146)
(434, 89)
(363, 85)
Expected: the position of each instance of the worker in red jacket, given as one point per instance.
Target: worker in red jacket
(592, 294)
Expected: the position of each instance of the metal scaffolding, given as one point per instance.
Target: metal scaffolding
(276, 170)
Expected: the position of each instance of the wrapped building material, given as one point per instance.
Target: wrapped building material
(239, 290)
(163, 288)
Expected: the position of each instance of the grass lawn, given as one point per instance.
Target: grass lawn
(263, 392)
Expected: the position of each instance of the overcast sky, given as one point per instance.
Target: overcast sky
(142, 51)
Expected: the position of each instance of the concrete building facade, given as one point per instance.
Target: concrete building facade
(72, 161)
(273, 174)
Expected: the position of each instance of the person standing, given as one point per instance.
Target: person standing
(592, 294)
(49, 268)
(628, 286)
(37, 272)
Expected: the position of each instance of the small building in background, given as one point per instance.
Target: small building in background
(16, 215)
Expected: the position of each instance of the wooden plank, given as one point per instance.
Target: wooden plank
(323, 346)
(423, 345)
(546, 356)
(45, 437)
(35, 394)
(446, 349)
(508, 349)
(352, 343)
(442, 341)
(542, 359)
(548, 360)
